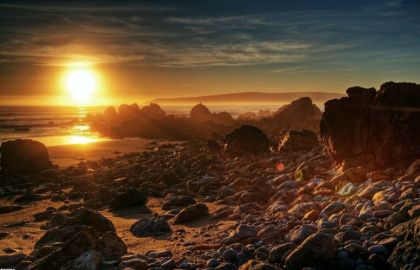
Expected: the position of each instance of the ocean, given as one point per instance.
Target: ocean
(64, 125)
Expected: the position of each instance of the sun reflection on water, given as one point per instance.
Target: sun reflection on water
(81, 134)
(80, 139)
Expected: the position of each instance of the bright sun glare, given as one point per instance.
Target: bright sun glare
(81, 83)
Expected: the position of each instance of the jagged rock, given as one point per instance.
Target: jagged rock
(295, 140)
(23, 157)
(299, 114)
(359, 129)
(246, 140)
(317, 249)
(128, 199)
(150, 227)
(191, 213)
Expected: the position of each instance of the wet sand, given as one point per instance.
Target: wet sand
(71, 154)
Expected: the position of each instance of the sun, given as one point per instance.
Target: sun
(81, 84)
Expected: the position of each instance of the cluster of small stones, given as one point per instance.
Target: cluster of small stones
(289, 210)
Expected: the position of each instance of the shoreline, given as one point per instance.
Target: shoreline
(72, 154)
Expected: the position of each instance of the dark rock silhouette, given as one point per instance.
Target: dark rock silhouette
(24, 157)
(299, 114)
(200, 114)
(295, 140)
(81, 231)
(153, 123)
(128, 199)
(246, 140)
(152, 111)
(374, 128)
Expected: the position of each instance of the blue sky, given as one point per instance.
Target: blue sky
(173, 48)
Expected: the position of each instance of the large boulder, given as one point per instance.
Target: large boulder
(81, 231)
(73, 223)
(24, 157)
(109, 245)
(246, 140)
(359, 129)
(317, 249)
(295, 140)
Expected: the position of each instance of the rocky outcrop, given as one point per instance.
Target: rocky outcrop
(375, 128)
(23, 157)
(246, 140)
(299, 114)
(151, 122)
(200, 113)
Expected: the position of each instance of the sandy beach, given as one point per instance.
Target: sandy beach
(72, 154)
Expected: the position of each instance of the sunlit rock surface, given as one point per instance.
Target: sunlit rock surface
(376, 128)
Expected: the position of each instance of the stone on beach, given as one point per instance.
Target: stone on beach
(191, 213)
(127, 199)
(150, 227)
(246, 140)
(23, 157)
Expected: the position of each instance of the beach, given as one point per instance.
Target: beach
(71, 154)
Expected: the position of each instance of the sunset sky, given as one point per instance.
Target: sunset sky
(146, 49)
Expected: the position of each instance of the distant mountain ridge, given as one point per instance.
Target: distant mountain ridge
(251, 97)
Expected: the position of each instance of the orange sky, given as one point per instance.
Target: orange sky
(143, 50)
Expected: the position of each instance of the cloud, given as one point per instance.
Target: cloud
(164, 36)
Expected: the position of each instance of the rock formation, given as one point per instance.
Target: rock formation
(23, 157)
(299, 114)
(246, 140)
(375, 128)
(200, 113)
(295, 140)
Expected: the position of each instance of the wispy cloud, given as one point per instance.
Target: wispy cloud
(165, 36)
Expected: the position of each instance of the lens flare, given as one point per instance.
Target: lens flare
(280, 166)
